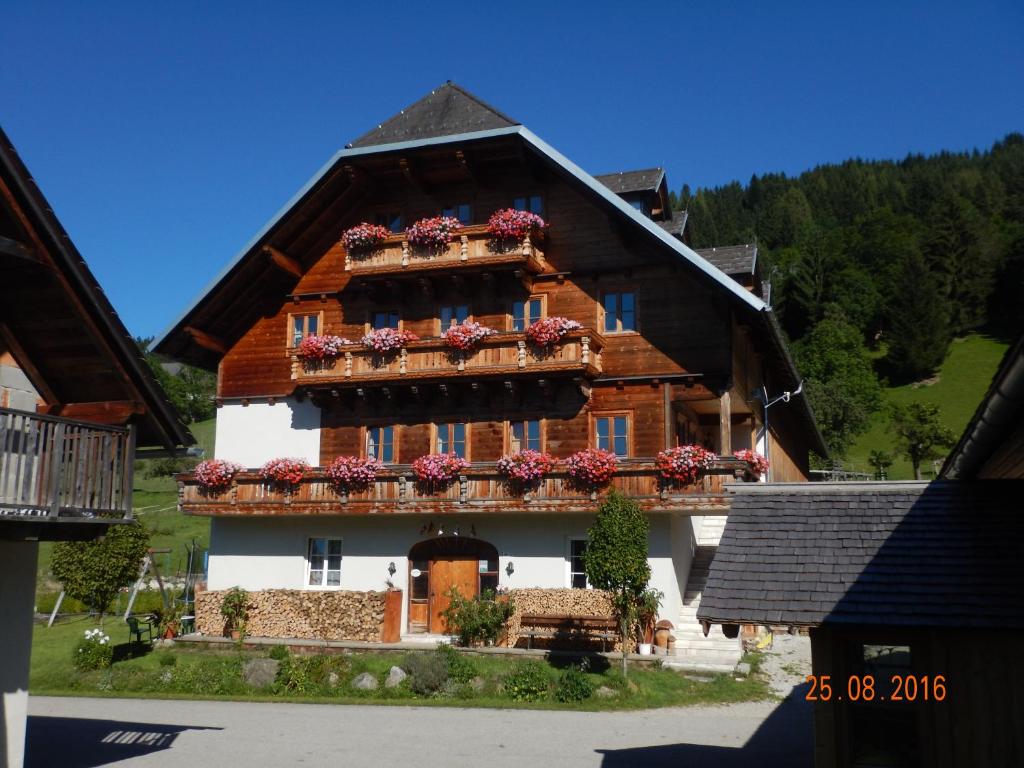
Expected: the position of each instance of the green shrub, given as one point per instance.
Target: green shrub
(279, 652)
(573, 685)
(94, 651)
(428, 672)
(480, 619)
(167, 659)
(217, 676)
(460, 668)
(528, 681)
(309, 674)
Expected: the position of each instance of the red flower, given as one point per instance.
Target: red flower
(351, 473)
(364, 236)
(548, 331)
(510, 224)
(758, 463)
(434, 233)
(439, 469)
(526, 467)
(322, 347)
(284, 472)
(215, 475)
(591, 468)
(466, 335)
(685, 463)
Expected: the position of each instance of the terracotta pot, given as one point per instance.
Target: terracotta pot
(236, 634)
(169, 633)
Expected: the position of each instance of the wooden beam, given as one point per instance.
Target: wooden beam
(406, 166)
(21, 357)
(466, 166)
(283, 261)
(17, 249)
(102, 412)
(206, 341)
(725, 424)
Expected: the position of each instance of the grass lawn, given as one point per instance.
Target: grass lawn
(957, 390)
(204, 674)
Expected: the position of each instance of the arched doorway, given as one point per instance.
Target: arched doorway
(437, 565)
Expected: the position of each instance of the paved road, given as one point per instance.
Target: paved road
(82, 733)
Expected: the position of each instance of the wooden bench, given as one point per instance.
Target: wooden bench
(561, 627)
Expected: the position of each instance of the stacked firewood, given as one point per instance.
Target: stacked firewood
(560, 602)
(305, 614)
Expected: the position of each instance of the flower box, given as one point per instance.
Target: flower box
(353, 473)
(215, 475)
(592, 468)
(466, 335)
(321, 348)
(285, 472)
(548, 331)
(685, 463)
(384, 340)
(439, 470)
(433, 233)
(758, 463)
(527, 467)
(510, 224)
(364, 237)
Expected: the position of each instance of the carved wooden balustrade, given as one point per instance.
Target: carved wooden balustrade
(481, 489)
(472, 247)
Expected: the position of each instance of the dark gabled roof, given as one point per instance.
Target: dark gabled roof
(646, 180)
(446, 111)
(999, 415)
(676, 225)
(732, 259)
(903, 554)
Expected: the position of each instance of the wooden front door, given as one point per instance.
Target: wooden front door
(446, 572)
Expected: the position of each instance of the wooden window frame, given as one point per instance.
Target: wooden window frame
(526, 196)
(309, 569)
(368, 325)
(619, 331)
(568, 564)
(630, 443)
(290, 339)
(434, 435)
(507, 444)
(510, 317)
(439, 327)
(365, 441)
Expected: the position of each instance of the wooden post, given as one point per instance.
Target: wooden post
(724, 425)
(391, 629)
(669, 417)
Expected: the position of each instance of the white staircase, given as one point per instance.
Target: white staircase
(715, 652)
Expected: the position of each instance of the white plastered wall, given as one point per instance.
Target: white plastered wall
(255, 433)
(270, 553)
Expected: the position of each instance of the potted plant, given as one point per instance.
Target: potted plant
(285, 473)
(647, 606)
(466, 335)
(591, 468)
(168, 622)
(387, 340)
(321, 349)
(511, 224)
(548, 331)
(685, 463)
(216, 475)
(234, 607)
(352, 473)
(434, 233)
(364, 237)
(758, 463)
(439, 470)
(526, 468)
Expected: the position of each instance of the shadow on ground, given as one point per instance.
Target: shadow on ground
(785, 738)
(73, 742)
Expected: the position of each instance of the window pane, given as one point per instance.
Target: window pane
(317, 547)
(602, 433)
(611, 312)
(579, 581)
(536, 204)
(520, 203)
(518, 316)
(311, 324)
(297, 330)
(488, 582)
(334, 562)
(443, 442)
(316, 578)
(535, 309)
(516, 442)
(334, 578)
(628, 312)
(533, 435)
(387, 444)
(465, 213)
(621, 433)
(462, 313)
(334, 550)
(446, 317)
(459, 439)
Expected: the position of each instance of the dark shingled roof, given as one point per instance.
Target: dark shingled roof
(676, 225)
(902, 554)
(646, 180)
(446, 111)
(732, 259)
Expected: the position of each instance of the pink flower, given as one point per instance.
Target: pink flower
(434, 233)
(466, 335)
(363, 236)
(685, 463)
(439, 469)
(350, 473)
(758, 463)
(526, 467)
(385, 340)
(591, 468)
(510, 224)
(548, 331)
(285, 472)
(322, 347)
(216, 474)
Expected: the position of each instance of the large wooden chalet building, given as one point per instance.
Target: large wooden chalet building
(671, 345)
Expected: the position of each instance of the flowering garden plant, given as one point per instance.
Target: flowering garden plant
(757, 462)
(94, 651)
(434, 233)
(352, 473)
(322, 347)
(591, 468)
(685, 463)
(466, 335)
(510, 224)
(527, 467)
(548, 331)
(364, 236)
(439, 469)
(284, 472)
(385, 340)
(215, 475)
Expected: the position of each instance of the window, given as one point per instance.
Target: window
(453, 315)
(531, 203)
(390, 219)
(524, 435)
(461, 211)
(641, 205)
(451, 438)
(380, 444)
(612, 434)
(487, 568)
(619, 312)
(301, 326)
(525, 313)
(324, 561)
(577, 573)
(385, 319)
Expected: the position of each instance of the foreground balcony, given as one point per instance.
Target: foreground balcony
(504, 354)
(473, 247)
(480, 490)
(54, 468)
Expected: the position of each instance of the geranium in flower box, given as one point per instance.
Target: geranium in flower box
(548, 331)
(285, 472)
(758, 463)
(215, 475)
(384, 340)
(320, 348)
(466, 335)
(510, 224)
(526, 468)
(685, 463)
(364, 237)
(353, 473)
(591, 468)
(439, 470)
(433, 233)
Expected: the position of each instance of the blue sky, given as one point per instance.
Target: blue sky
(165, 135)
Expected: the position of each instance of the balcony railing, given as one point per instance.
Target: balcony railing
(481, 489)
(54, 467)
(503, 354)
(473, 246)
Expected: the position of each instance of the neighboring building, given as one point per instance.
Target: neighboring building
(898, 579)
(75, 399)
(670, 350)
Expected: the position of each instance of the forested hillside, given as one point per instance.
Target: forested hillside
(876, 265)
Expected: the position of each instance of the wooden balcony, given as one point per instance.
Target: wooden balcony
(53, 468)
(473, 247)
(480, 490)
(504, 354)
